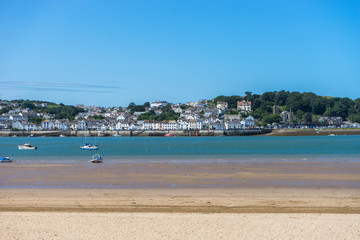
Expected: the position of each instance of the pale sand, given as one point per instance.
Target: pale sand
(45, 225)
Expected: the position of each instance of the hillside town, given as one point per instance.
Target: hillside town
(200, 115)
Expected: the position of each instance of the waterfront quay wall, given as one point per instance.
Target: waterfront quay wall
(148, 133)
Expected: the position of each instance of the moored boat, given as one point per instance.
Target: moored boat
(169, 135)
(89, 146)
(96, 158)
(5, 159)
(26, 146)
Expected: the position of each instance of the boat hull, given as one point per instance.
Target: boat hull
(26, 148)
(5, 160)
(89, 148)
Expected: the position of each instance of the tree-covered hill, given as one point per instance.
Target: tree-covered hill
(305, 106)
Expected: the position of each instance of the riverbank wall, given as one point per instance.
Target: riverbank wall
(313, 132)
(140, 133)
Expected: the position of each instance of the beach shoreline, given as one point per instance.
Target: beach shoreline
(250, 200)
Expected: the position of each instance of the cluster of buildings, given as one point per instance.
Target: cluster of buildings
(192, 116)
(199, 115)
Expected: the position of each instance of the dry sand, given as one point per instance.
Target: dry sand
(268, 213)
(45, 225)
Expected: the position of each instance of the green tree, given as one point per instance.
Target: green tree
(28, 104)
(274, 118)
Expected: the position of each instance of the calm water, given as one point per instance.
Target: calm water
(254, 148)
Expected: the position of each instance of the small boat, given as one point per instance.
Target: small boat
(89, 146)
(14, 136)
(96, 159)
(169, 135)
(26, 146)
(332, 135)
(5, 159)
(61, 135)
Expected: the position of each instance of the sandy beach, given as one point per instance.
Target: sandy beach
(268, 213)
(290, 200)
(50, 226)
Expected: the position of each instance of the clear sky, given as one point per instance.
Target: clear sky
(111, 53)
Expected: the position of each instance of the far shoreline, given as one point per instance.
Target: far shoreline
(187, 133)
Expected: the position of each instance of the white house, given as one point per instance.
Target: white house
(151, 125)
(248, 122)
(195, 124)
(121, 117)
(81, 125)
(61, 125)
(233, 124)
(244, 106)
(216, 125)
(123, 125)
(183, 125)
(158, 104)
(47, 125)
(24, 126)
(169, 125)
(177, 110)
(222, 105)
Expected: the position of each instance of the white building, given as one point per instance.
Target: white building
(183, 125)
(234, 124)
(248, 122)
(158, 104)
(151, 125)
(122, 125)
(169, 125)
(24, 126)
(216, 125)
(195, 124)
(222, 105)
(81, 125)
(244, 106)
(47, 125)
(160, 125)
(61, 125)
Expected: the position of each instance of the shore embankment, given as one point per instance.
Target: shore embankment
(185, 133)
(135, 133)
(313, 132)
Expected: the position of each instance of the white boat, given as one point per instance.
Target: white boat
(61, 135)
(96, 159)
(5, 159)
(26, 146)
(89, 146)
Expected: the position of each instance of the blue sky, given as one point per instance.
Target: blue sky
(111, 53)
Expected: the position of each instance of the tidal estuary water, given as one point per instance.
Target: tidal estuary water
(187, 149)
(183, 162)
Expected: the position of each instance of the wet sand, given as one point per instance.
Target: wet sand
(131, 175)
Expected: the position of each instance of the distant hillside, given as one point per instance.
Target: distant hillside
(306, 107)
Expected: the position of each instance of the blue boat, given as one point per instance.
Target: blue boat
(5, 159)
(96, 159)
